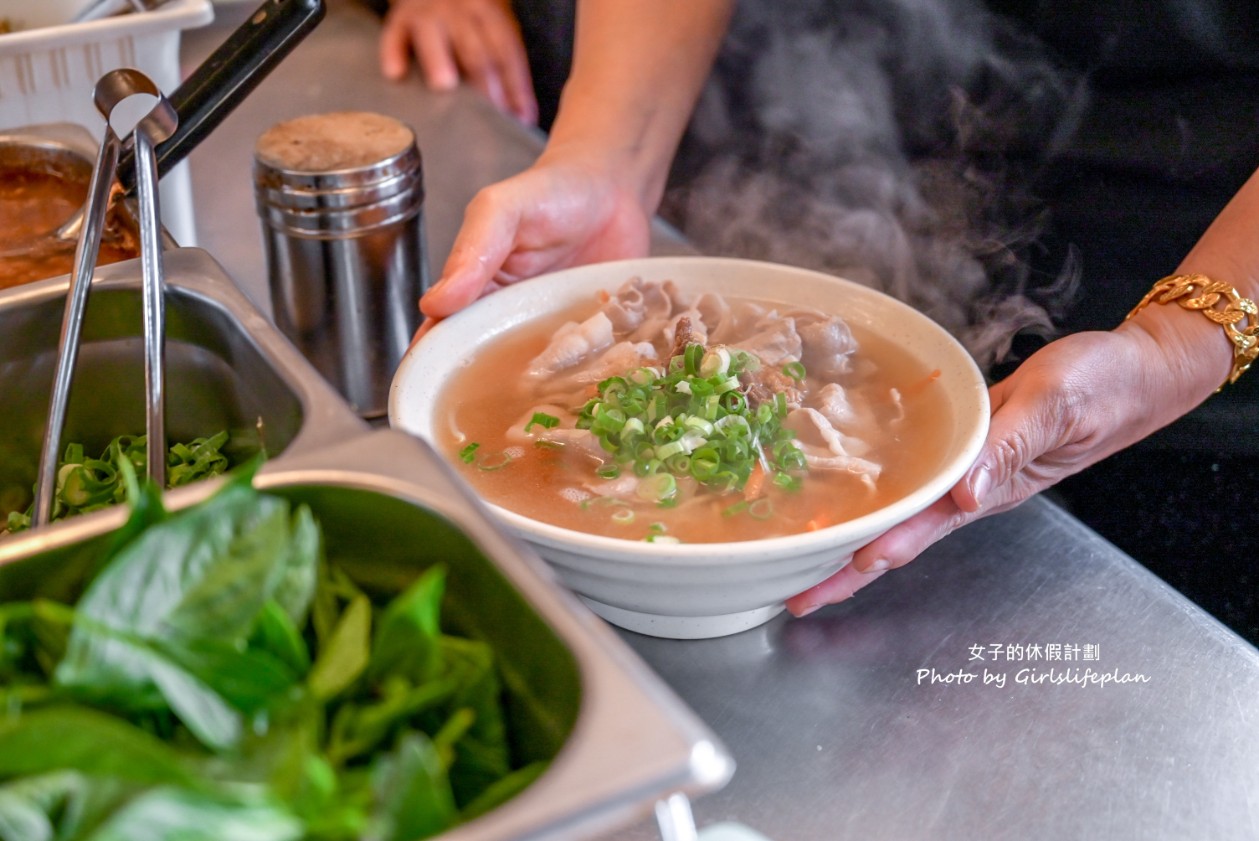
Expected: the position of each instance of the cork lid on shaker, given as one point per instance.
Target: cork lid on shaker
(338, 159)
(336, 141)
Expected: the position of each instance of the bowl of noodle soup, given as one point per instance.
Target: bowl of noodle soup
(689, 441)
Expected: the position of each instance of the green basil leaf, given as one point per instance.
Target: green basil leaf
(345, 655)
(23, 821)
(205, 573)
(299, 571)
(146, 511)
(166, 813)
(202, 710)
(503, 790)
(482, 756)
(184, 677)
(61, 805)
(409, 632)
(33, 638)
(413, 795)
(276, 634)
(26, 805)
(251, 680)
(80, 739)
(360, 728)
(231, 559)
(333, 588)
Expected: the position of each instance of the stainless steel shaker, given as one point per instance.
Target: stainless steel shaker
(341, 198)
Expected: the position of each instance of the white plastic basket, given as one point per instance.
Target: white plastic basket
(48, 69)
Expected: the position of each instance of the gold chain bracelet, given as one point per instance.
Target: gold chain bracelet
(1199, 292)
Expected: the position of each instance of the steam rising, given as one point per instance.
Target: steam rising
(886, 141)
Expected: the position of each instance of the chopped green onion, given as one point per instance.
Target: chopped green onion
(89, 484)
(504, 458)
(661, 538)
(468, 454)
(786, 481)
(647, 467)
(793, 459)
(715, 363)
(735, 403)
(623, 516)
(691, 358)
(609, 420)
(761, 509)
(741, 361)
(653, 421)
(658, 487)
(608, 470)
(702, 388)
(679, 465)
(700, 424)
(728, 421)
(704, 466)
(670, 449)
(601, 501)
(613, 385)
(795, 370)
(542, 419)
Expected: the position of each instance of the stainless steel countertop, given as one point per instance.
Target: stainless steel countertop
(834, 720)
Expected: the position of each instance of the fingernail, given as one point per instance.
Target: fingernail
(441, 81)
(877, 565)
(804, 611)
(980, 483)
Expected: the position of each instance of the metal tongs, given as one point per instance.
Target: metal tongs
(153, 128)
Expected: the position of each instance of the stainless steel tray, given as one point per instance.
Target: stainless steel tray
(619, 738)
(227, 367)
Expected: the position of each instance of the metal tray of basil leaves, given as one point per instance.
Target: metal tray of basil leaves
(614, 740)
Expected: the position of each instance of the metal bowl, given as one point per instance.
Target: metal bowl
(227, 368)
(67, 152)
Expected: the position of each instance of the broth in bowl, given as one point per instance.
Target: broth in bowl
(654, 414)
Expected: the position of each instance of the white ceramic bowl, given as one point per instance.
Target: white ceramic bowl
(688, 591)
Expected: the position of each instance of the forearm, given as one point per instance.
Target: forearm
(638, 68)
(1195, 351)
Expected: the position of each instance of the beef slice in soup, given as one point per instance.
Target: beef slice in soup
(658, 415)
